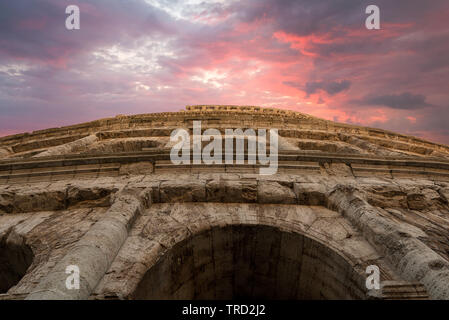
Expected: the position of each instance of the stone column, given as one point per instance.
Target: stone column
(95, 251)
(413, 259)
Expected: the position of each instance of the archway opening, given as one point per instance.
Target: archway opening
(15, 259)
(250, 262)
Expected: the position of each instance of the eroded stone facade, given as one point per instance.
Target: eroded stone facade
(105, 196)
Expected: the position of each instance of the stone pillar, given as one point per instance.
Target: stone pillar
(414, 260)
(95, 251)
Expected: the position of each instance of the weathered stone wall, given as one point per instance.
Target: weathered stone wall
(293, 204)
(104, 196)
(291, 124)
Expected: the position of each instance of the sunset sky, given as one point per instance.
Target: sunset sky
(144, 56)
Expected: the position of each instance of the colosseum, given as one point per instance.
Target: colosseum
(105, 197)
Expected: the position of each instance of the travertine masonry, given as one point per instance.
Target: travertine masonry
(105, 196)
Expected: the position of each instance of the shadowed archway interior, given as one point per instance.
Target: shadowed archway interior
(15, 259)
(250, 262)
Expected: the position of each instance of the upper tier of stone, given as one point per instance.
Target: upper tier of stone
(301, 130)
(253, 109)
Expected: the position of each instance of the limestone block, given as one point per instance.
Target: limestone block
(337, 169)
(4, 152)
(444, 193)
(69, 147)
(183, 191)
(310, 193)
(136, 168)
(77, 194)
(273, 192)
(6, 202)
(231, 191)
(420, 199)
(29, 200)
(386, 195)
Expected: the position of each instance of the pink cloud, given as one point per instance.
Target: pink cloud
(304, 56)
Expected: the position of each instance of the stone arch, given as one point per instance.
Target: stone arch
(250, 261)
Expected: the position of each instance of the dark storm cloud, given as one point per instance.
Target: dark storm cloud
(337, 18)
(331, 87)
(305, 17)
(300, 17)
(36, 29)
(405, 101)
(431, 124)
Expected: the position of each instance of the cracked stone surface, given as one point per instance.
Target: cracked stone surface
(105, 196)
